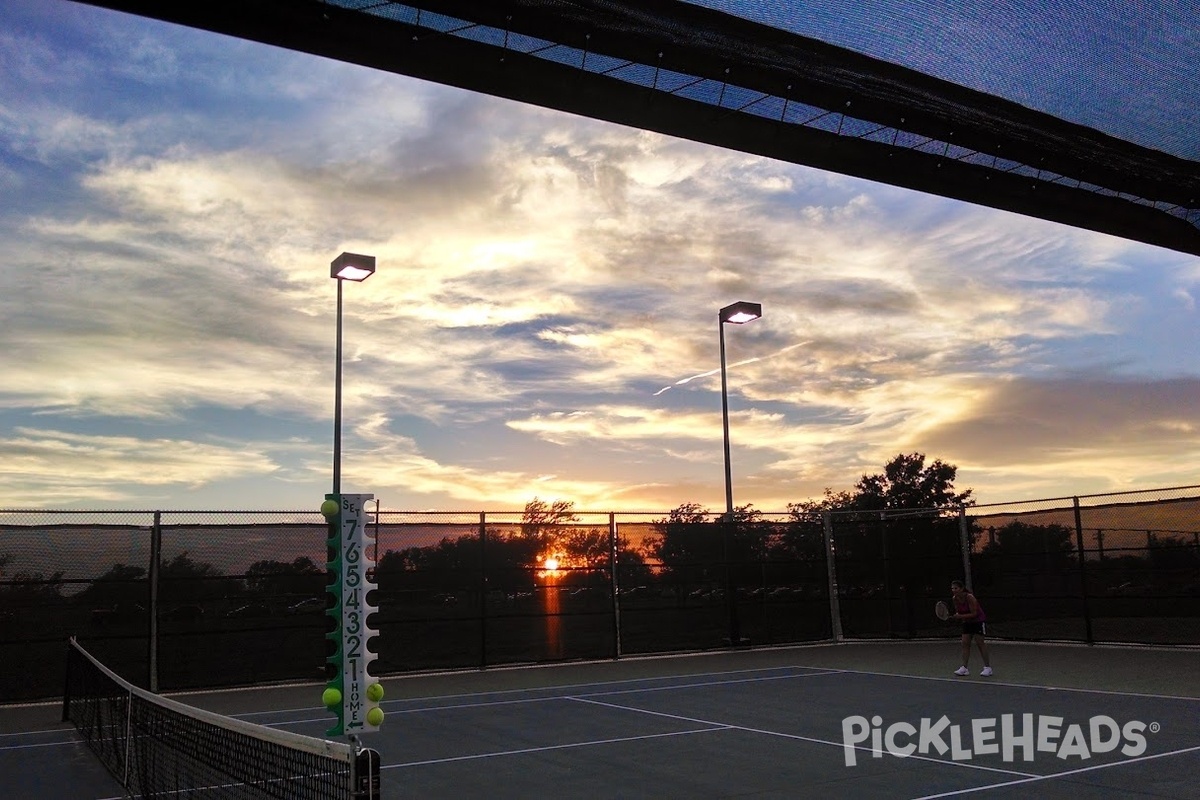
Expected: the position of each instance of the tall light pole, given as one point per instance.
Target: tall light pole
(739, 313)
(346, 267)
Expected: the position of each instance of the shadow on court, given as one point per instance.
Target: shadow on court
(881, 720)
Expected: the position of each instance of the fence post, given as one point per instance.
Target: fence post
(835, 607)
(964, 543)
(152, 602)
(615, 585)
(731, 607)
(887, 571)
(483, 590)
(1083, 592)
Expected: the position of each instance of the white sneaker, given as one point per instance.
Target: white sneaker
(962, 671)
(986, 672)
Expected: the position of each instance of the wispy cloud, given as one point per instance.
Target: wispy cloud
(544, 281)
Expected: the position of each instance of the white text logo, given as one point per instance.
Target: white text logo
(1008, 736)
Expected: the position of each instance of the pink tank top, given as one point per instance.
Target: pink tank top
(963, 607)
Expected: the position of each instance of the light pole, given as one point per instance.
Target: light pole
(346, 267)
(739, 313)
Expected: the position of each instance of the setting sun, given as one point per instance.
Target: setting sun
(551, 564)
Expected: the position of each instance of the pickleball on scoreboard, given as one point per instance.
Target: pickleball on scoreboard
(352, 693)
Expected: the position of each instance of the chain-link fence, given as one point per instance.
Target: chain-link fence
(1107, 568)
(190, 599)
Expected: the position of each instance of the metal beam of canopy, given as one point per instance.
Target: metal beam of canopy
(699, 74)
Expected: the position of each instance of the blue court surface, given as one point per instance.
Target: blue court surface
(879, 720)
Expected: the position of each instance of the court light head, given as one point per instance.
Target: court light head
(741, 312)
(352, 267)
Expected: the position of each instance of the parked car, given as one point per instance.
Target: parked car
(186, 613)
(309, 605)
(248, 611)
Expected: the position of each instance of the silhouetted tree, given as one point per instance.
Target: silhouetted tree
(32, 588)
(1174, 563)
(893, 528)
(691, 544)
(450, 565)
(121, 585)
(281, 578)
(184, 580)
(541, 521)
(1020, 544)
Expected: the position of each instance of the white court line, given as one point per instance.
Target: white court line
(1037, 778)
(546, 748)
(798, 737)
(520, 700)
(565, 686)
(527, 690)
(48, 732)
(611, 692)
(990, 682)
(818, 670)
(5, 747)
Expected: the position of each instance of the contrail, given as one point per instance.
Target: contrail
(691, 378)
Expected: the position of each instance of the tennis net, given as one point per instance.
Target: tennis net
(158, 747)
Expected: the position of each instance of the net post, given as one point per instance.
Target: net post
(365, 773)
(152, 602)
(66, 705)
(1083, 575)
(483, 587)
(964, 544)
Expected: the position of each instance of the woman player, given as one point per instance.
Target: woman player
(967, 609)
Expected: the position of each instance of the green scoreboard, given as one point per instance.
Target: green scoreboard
(352, 693)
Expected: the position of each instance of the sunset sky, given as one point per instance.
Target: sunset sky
(543, 322)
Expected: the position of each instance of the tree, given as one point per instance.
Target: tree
(121, 585)
(184, 580)
(890, 531)
(280, 578)
(1019, 543)
(907, 483)
(449, 566)
(541, 521)
(1174, 563)
(690, 543)
(797, 550)
(632, 569)
(32, 589)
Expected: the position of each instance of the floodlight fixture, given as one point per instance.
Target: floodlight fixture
(741, 312)
(352, 267)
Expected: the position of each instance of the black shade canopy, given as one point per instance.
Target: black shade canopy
(1062, 132)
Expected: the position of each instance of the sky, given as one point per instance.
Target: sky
(543, 321)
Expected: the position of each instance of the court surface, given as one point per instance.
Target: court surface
(1055, 721)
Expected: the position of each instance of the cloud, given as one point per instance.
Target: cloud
(46, 466)
(542, 278)
(393, 462)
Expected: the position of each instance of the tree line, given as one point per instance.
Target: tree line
(898, 527)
